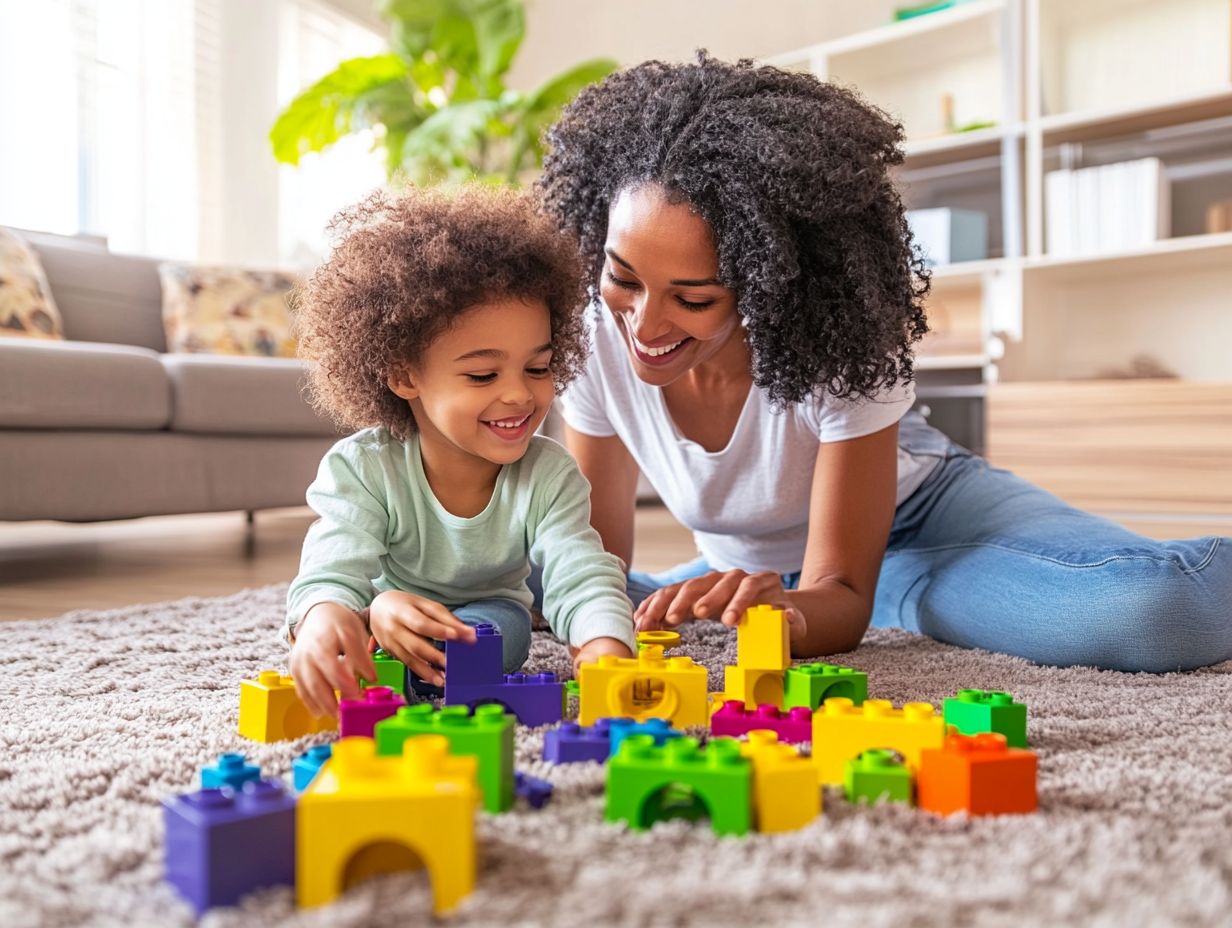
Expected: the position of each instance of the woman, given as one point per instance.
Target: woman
(758, 298)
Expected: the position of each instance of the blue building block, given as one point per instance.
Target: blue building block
(308, 764)
(535, 791)
(536, 699)
(659, 729)
(222, 844)
(232, 770)
(475, 664)
(572, 743)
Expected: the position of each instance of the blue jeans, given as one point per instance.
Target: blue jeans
(510, 617)
(982, 559)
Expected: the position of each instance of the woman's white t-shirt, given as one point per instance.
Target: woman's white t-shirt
(747, 505)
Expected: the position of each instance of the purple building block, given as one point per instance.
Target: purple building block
(308, 765)
(357, 717)
(536, 699)
(535, 791)
(232, 770)
(793, 726)
(221, 844)
(571, 743)
(659, 729)
(475, 664)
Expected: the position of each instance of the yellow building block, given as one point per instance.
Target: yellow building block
(842, 730)
(786, 795)
(364, 815)
(270, 710)
(762, 639)
(756, 687)
(644, 687)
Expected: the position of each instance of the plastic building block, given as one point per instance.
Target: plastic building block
(658, 729)
(221, 844)
(364, 815)
(357, 717)
(762, 641)
(536, 699)
(232, 770)
(390, 672)
(573, 688)
(271, 710)
(647, 783)
(487, 736)
(975, 711)
(662, 637)
(479, 663)
(733, 720)
(842, 731)
(535, 791)
(643, 687)
(571, 743)
(752, 686)
(308, 764)
(810, 685)
(875, 775)
(980, 774)
(785, 791)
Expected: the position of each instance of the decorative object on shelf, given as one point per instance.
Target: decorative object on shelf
(948, 235)
(1219, 217)
(1106, 208)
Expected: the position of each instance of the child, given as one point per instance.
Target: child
(442, 326)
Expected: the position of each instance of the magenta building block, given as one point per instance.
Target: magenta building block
(793, 726)
(571, 743)
(357, 717)
(475, 664)
(535, 698)
(232, 770)
(221, 843)
(535, 791)
(659, 729)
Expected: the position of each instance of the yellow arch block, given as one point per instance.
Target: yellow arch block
(842, 730)
(786, 795)
(643, 687)
(271, 710)
(363, 813)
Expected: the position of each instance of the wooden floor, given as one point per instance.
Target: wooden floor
(48, 568)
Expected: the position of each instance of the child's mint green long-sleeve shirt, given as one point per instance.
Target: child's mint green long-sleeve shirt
(382, 528)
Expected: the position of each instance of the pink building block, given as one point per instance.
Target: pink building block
(792, 726)
(357, 717)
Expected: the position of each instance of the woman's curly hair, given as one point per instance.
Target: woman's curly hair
(792, 176)
(404, 268)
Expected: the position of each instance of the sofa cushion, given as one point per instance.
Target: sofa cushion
(220, 310)
(81, 385)
(258, 396)
(27, 308)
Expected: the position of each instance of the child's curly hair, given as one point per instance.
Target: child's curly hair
(404, 267)
(791, 175)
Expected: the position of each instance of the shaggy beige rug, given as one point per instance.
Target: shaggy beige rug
(108, 712)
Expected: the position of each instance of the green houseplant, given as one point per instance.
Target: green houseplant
(437, 101)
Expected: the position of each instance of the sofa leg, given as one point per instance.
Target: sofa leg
(249, 517)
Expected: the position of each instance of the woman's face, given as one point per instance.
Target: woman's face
(660, 283)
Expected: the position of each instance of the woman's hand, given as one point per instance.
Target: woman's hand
(405, 624)
(330, 653)
(723, 595)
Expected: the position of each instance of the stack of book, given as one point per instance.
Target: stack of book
(1112, 207)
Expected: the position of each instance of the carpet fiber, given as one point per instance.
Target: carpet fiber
(108, 712)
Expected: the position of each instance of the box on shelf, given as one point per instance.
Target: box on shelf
(949, 235)
(1111, 207)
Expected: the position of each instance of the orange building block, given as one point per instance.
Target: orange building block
(979, 774)
(270, 710)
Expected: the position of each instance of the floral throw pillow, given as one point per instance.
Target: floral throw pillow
(218, 310)
(26, 306)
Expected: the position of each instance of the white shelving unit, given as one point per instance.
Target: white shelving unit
(1072, 83)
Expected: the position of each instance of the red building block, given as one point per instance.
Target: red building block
(979, 774)
(357, 717)
(793, 727)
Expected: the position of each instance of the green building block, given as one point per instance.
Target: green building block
(487, 735)
(647, 783)
(975, 711)
(390, 672)
(876, 774)
(810, 685)
(573, 688)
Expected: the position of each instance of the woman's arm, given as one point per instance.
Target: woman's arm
(612, 473)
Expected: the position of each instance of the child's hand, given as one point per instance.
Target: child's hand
(404, 624)
(330, 652)
(596, 648)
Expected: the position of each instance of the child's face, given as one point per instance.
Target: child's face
(483, 386)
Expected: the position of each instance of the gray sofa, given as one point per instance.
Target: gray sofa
(106, 425)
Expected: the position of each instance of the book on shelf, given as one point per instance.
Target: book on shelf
(1111, 207)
